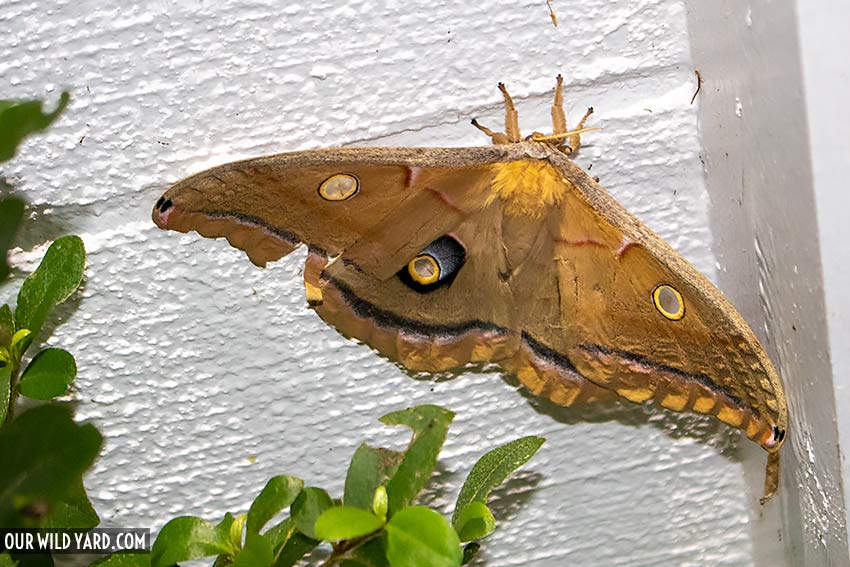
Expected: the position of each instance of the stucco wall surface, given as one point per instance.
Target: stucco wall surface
(191, 360)
(764, 199)
(823, 45)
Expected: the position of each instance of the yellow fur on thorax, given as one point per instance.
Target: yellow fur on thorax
(528, 188)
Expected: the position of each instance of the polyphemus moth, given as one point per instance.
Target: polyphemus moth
(511, 254)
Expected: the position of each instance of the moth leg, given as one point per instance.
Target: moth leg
(497, 137)
(538, 137)
(316, 262)
(511, 116)
(575, 138)
(559, 119)
(771, 477)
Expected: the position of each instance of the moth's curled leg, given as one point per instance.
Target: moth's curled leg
(498, 138)
(511, 116)
(575, 138)
(771, 478)
(559, 119)
(316, 262)
(538, 137)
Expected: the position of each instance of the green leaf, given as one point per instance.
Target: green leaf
(419, 536)
(21, 341)
(370, 467)
(492, 469)
(234, 527)
(7, 561)
(7, 326)
(18, 119)
(470, 550)
(11, 214)
(5, 391)
(307, 508)
(288, 543)
(280, 533)
(370, 554)
(256, 553)
(55, 279)
(475, 521)
(73, 511)
(380, 503)
(48, 375)
(44, 456)
(33, 560)
(279, 493)
(189, 537)
(430, 425)
(124, 560)
(346, 522)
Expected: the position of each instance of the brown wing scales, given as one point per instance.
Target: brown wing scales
(447, 327)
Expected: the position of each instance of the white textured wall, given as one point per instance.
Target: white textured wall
(192, 360)
(765, 178)
(824, 45)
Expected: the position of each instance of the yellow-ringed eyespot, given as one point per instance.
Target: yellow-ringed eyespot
(669, 302)
(339, 187)
(435, 266)
(424, 269)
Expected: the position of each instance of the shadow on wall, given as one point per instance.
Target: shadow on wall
(677, 425)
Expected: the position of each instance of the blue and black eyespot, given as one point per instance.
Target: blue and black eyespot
(437, 265)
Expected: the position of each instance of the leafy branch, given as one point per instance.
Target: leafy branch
(375, 524)
(44, 452)
(18, 119)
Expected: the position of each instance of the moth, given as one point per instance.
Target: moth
(440, 258)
